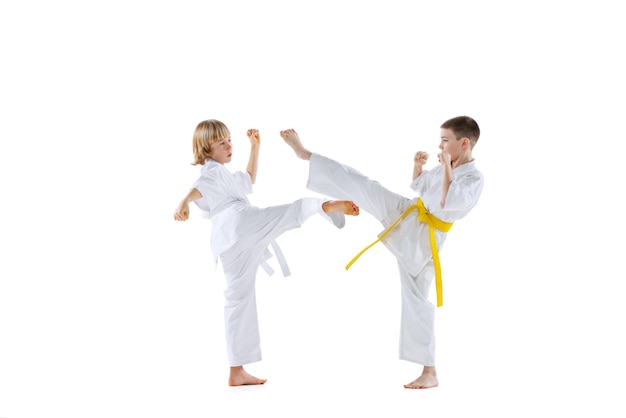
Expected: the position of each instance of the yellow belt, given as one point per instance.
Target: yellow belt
(423, 215)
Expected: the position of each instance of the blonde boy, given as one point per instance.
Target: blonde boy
(241, 234)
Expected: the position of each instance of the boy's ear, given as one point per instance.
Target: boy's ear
(466, 142)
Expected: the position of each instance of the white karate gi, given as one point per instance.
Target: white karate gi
(240, 237)
(409, 241)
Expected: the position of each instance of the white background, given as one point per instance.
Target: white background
(109, 308)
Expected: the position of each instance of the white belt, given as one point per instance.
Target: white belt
(281, 261)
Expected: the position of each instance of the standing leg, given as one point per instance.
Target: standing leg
(260, 226)
(240, 264)
(417, 325)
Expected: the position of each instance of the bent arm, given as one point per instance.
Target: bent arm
(446, 173)
(253, 161)
(419, 160)
(182, 211)
(445, 183)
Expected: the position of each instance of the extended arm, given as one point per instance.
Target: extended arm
(253, 162)
(182, 211)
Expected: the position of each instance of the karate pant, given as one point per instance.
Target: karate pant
(417, 337)
(241, 262)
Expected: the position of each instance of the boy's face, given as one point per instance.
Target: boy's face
(452, 145)
(222, 150)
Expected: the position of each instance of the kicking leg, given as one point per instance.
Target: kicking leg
(293, 140)
(262, 225)
(345, 207)
(334, 179)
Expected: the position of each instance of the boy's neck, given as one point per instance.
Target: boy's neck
(464, 159)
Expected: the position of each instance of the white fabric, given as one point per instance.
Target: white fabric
(223, 199)
(240, 236)
(409, 240)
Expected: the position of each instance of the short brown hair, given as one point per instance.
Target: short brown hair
(463, 127)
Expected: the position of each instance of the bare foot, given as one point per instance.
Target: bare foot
(239, 377)
(346, 207)
(428, 379)
(293, 140)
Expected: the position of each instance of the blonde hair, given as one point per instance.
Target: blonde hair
(207, 132)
